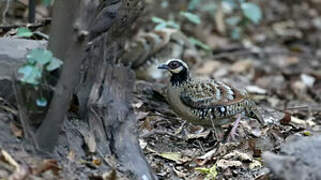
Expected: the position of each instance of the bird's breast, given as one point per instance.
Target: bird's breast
(187, 113)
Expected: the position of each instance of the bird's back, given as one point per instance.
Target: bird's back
(205, 101)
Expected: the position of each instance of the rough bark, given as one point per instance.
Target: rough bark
(70, 32)
(93, 32)
(113, 123)
(113, 17)
(108, 111)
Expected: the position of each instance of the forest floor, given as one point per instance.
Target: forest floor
(277, 60)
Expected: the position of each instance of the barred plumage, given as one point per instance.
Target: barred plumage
(204, 102)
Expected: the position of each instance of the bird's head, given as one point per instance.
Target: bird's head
(174, 66)
(178, 69)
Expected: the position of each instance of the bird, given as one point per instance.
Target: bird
(206, 102)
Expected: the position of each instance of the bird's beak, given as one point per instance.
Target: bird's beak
(163, 66)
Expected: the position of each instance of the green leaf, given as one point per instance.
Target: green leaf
(199, 43)
(160, 26)
(31, 74)
(158, 20)
(228, 6)
(173, 24)
(24, 32)
(211, 172)
(54, 64)
(163, 23)
(164, 4)
(233, 21)
(39, 56)
(46, 2)
(236, 33)
(252, 12)
(191, 17)
(209, 8)
(193, 4)
(42, 102)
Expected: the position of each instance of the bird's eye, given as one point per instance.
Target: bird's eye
(173, 65)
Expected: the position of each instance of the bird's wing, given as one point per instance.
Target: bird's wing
(210, 93)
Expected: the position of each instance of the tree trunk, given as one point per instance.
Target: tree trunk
(68, 41)
(93, 31)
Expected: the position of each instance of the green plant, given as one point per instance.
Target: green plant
(36, 71)
(198, 43)
(193, 18)
(38, 61)
(237, 13)
(211, 173)
(46, 2)
(250, 13)
(24, 32)
(161, 23)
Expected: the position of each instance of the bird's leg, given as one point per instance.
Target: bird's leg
(218, 132)
(219, 136)
(235, 125)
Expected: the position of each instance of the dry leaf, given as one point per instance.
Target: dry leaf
(47, 164)
(242, 66)
(179, 173)
(227, 164)
(142, 143)
(255, 89)
(147, 123)
(174, 156)
(7, 157)
(286, 119)
(208, 67)
(255, 164)
(203, 134)
(202, 160)
(90, 142)
(71, 155)
(20, 173)
(138, 104)
(307, 80)
(16, 131)
(141, 115)
(96, 161)
(239, 156)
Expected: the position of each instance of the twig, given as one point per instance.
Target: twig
(308, 107)
(298, 107)
(28, 25)
(235, 53)
(9, 159)
(153, 132)
(6, 166)
(24, 119)
(5, 11)
(42, 35)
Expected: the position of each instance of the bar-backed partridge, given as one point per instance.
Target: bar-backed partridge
(205, 102)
